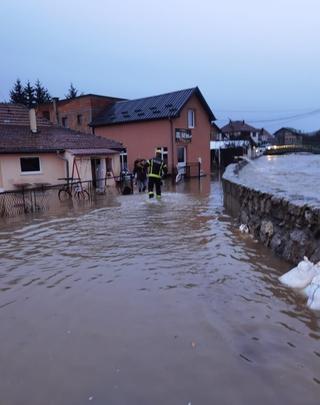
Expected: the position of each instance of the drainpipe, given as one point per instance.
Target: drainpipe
(172, 147)
(67, 164)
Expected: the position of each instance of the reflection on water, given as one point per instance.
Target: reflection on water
(137, 301)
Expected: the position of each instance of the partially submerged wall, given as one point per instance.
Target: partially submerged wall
(291, 231)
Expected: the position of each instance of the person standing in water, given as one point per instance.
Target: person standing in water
(156, 169)
(140, 171)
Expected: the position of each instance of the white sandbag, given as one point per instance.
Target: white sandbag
(314, 293)
(311, 288)
(301, 275)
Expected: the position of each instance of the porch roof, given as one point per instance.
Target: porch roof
(92, 152)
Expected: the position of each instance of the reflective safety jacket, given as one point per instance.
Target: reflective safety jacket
(156, 168)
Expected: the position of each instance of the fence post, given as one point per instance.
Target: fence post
(24, 202)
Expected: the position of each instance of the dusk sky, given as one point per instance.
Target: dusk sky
(252, 59)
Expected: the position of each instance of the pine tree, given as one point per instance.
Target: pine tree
(17, 94)
(29, 95)
(72, 92)
(41, 93)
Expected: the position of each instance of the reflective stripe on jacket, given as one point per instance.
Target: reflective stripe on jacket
(156, 168)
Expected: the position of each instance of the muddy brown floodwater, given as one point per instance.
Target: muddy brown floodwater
(150, 303)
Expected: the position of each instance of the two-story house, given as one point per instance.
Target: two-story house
(288, 136)
(177, 123)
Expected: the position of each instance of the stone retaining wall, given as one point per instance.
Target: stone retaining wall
(291, 231)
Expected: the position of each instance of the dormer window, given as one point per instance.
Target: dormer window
(191, 119)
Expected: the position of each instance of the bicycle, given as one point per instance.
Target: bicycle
(73, 189)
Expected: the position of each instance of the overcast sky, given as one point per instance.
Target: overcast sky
(252, 59)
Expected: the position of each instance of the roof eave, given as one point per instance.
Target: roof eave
(198, 93)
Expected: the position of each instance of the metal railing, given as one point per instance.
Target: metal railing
(283, 149)
(26, 200)
(23, 201)
(191, 169)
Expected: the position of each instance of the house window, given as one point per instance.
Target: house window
(30, 165)
(79, 119)
(64, 122)
(123, 159)
(164, 153)
(191, 119)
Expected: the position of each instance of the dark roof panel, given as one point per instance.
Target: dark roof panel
(166, 105)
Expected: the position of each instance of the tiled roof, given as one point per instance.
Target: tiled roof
(91, 152)
(16, 136)
(162, 106)
(287, 129)
(266, 133)
(238, 126)
(17, 114)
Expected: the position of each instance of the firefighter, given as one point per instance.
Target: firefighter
(156, 169)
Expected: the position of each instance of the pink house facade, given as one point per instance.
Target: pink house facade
(34, 152)
(179, 123)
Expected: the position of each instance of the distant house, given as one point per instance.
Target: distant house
(178, 123)
(288, 136)
(75, 113)
(240, 130)
(215, 134)
(265, 138)
(33, 151)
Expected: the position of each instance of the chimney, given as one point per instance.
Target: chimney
(33, 120)
(55, 111)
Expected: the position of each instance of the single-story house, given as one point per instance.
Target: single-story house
(33, 151)
(177, 123)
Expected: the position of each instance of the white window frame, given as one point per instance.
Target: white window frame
(191, 118)
(163, 152)
(33, 172)
(123, 154)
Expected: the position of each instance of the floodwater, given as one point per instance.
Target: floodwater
(150, 303)
(296, 177)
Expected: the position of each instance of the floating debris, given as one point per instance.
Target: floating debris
(244, 228)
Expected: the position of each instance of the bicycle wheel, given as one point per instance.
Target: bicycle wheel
(86, 195)
(82, 195)
(64, 195)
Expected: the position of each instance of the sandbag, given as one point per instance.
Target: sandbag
(301, 275)
(313, 291)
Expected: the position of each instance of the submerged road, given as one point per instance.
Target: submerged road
(150, 303)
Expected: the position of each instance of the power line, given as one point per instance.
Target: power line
(279, 119)
(264, 111)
